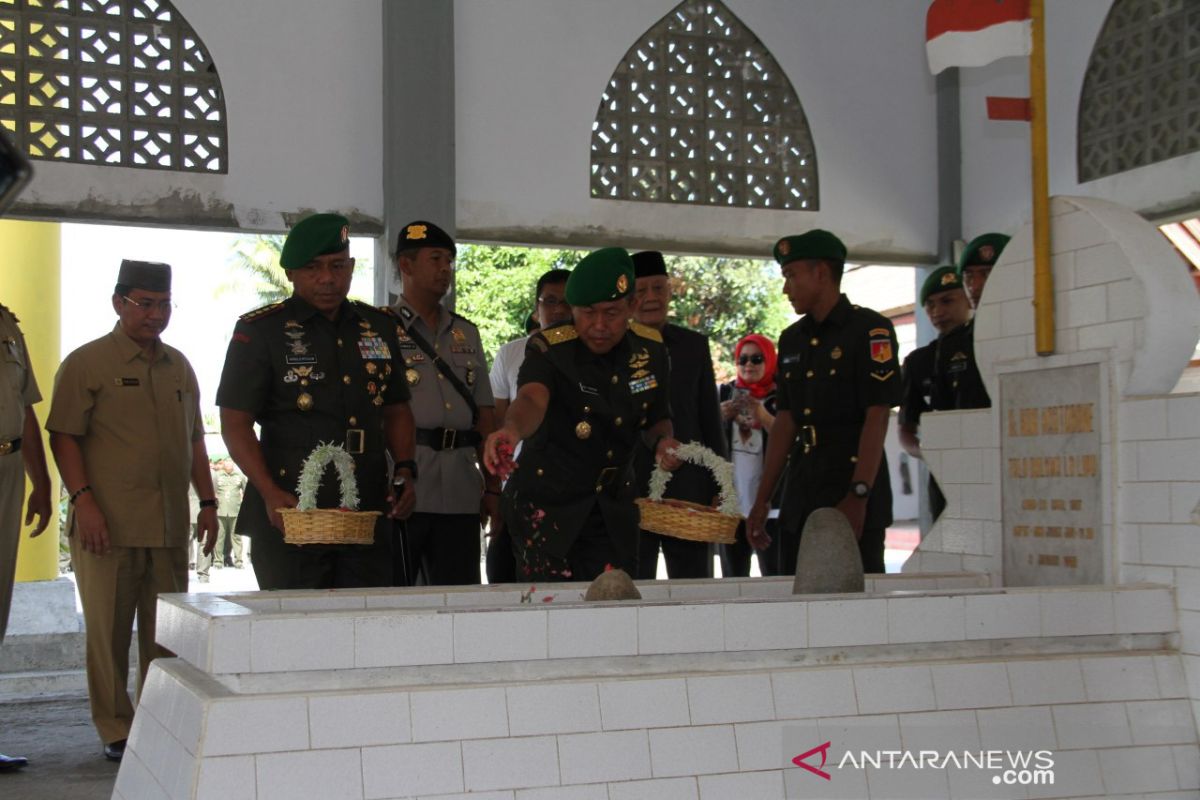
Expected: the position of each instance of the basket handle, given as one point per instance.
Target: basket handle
(314, 468)
(698, 454)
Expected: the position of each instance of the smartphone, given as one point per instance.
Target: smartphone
(15, 171)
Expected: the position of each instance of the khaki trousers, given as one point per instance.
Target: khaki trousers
(113, 588)
(12, 495)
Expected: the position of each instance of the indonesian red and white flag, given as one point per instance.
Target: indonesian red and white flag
(971, 33)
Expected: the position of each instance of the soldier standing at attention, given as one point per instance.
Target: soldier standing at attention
(312, 369)
(447, 373)
(590, 392)
(837, 379)
(946, 304)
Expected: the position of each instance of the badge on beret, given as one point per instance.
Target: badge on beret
(949, 278)
(583, 430)
(987, 252)
(622, 283)
(413, 232)
(785, 247)
(345, 233)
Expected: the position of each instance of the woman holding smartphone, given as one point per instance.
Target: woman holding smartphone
(748, 410)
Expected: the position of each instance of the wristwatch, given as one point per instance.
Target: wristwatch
(860, 489)
(408, 464)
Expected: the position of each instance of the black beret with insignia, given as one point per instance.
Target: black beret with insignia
(318, 235)
(420, 233)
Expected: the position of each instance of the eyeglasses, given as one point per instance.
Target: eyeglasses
(551, 301)
(756, 359)
(165, 306)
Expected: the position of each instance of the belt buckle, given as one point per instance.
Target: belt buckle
(808, 437)
(449, 438)
(355, 441)
(5, 448)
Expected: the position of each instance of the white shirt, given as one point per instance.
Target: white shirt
(505, 368)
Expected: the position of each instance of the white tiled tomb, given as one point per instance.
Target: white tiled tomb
(704, 689)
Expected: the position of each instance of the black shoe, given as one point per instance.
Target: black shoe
(114, 750)
(12, 763)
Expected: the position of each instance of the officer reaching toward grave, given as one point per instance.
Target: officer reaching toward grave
(590, 392)
(447, 373)
(317, 368)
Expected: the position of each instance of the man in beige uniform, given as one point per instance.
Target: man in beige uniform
(19, 432)
(126, 432)
(447, 374)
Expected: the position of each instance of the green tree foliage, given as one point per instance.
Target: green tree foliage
(258, 256)
(495, 287)
(724, 298)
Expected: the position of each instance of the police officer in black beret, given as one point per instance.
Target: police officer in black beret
(317, 368)
(590, 392)
(838, 378)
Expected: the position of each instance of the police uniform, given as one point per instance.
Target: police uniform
(829, 374)
(309, 380)
(441, 538)
(570, 503)
(136, 421)
(18, 391)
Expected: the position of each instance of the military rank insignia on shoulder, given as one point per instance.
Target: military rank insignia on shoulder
(645, 331)
(560, 333)
(260, 313)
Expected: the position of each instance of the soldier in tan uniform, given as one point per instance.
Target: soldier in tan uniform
(447, 374)
(19, 432)
(127, 435)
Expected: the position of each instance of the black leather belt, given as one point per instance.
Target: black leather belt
(10, 447)
(447, 438)
(810, 437)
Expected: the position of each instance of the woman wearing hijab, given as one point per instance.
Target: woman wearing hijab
(748, 410)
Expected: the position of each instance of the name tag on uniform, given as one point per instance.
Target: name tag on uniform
(305, 359)
(461, 348)
(790, 358)
(127, 382)
(643, 384)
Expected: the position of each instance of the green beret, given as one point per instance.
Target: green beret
(149, 276)
(942, 279)
(816, 244)
(983, 251)
(318, 235)
(647, 263)
(604, 275)
(420, 233)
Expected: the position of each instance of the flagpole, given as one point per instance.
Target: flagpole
(1043, 272)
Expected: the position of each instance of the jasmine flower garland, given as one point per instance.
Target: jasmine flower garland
(314, 468)
(722, 470)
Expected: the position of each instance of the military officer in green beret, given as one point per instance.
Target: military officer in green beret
(948, 309)
(976, 262)
(590, 392)
(838, 378)
(447, 373)
(317, 368)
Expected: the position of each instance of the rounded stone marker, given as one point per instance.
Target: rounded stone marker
(829, 561)
(615, 584)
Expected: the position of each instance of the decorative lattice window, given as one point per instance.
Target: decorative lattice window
(1141, 93)
(120, 82)
(698, 111)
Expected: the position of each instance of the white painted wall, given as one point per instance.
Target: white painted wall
(529, 75)
(996, 184)
(303, 88)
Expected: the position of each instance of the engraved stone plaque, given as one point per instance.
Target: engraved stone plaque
(1050, 459)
